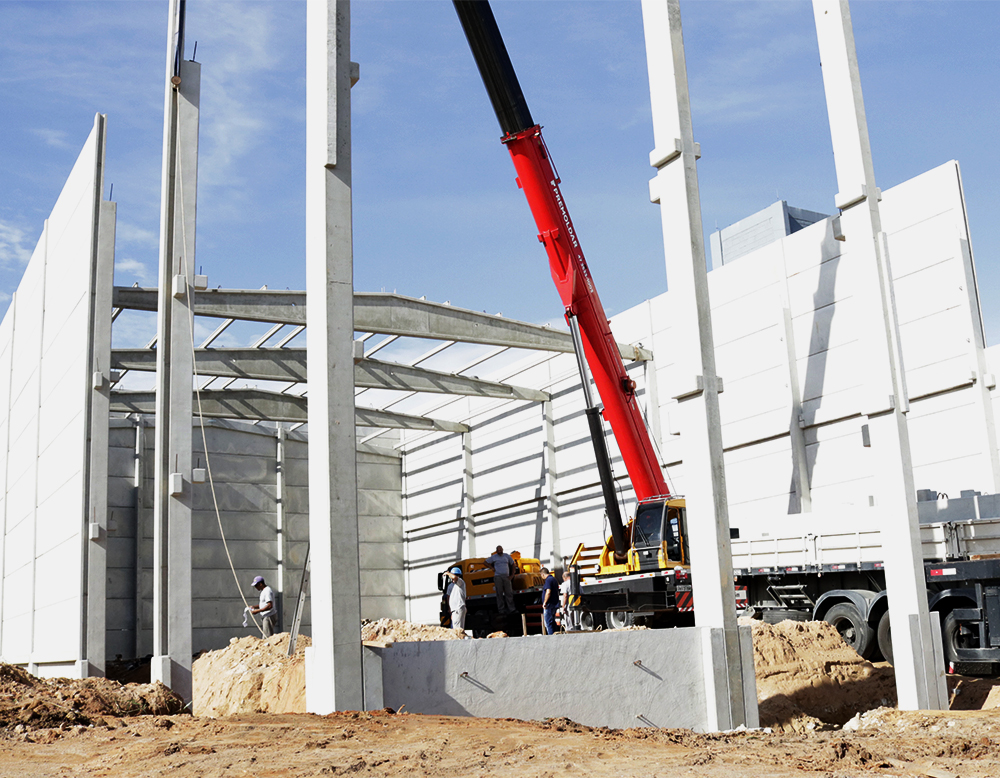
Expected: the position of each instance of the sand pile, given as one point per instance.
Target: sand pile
(42, 703)
(251, 676)
(808, 678)
(397, 631)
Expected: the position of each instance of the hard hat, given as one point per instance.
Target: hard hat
(456, 570)
(257, 580)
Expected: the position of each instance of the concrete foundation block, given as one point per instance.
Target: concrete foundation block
(371, 663)
(627, 679)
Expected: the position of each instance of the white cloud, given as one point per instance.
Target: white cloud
(56, 138)
(15, 245)
(135, 269)
(238, 87)
(130, 233)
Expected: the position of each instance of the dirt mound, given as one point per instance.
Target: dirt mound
(251, 675)
(808, 678)
(397, 631)
(42, 703)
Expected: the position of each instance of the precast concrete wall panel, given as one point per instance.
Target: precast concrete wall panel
(46, 349)
(263, 508)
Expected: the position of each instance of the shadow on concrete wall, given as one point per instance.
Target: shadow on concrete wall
(819, 344)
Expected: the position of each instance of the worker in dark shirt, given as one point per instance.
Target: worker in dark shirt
(550, 601)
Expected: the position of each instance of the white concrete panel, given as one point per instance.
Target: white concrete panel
(57, 631)
(56, 572)
(17, 639)
(58, 517)
(17, 593)
(821, 285)
(921, 198)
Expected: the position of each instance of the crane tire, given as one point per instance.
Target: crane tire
(619, 619)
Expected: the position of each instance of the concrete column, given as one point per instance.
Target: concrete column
(139, 476)
(551, 488)
(171, 661)
(333, 666)
(696, 386)
(279, 524)
(885, 401)
(468, 495)
(95, 524)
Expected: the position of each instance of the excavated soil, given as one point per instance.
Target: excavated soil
(397, 631)
(808, 678)
(251, 675)
(823, 710)
(30, 703)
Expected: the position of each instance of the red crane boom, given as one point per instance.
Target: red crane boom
(536, 176)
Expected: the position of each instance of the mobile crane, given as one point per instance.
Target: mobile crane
(642, 567)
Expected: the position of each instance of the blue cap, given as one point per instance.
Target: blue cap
(456, 570)
(257, 580)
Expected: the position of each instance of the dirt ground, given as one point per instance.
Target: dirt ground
(824, 712)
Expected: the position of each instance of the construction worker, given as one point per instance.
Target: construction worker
(503, 567)
(456, 598)
(550, 601)
(266, 607)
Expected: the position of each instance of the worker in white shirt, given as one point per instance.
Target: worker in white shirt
(456, 598)
(267, 608)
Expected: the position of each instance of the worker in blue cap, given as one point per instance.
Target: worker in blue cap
(456, 598)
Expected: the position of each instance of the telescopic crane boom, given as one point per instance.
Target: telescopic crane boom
(536, 176)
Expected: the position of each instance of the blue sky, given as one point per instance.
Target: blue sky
(436, 211)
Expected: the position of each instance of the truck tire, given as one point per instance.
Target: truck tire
(885, 637)
(853, 628)
(953, 638)
(619, 619)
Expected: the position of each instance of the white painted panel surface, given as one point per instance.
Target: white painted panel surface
(46, 334)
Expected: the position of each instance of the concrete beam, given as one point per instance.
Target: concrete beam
(261, 405)
(374, 374)
(387, 314)
(276, 307)
(289, 364)
(273, 364)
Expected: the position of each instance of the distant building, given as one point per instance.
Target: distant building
(747, 235)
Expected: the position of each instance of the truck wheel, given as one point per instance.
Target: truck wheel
(852, 628)
(955, 636)
(885, 637)
(619, 619)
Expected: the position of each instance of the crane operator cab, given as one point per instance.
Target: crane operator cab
(659, 539)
